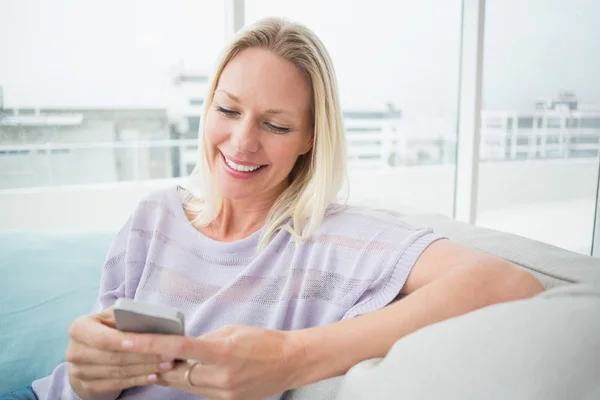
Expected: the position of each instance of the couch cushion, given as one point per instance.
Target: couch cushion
(552, 265)
(323, 390)
(541, 348)
(47, 281)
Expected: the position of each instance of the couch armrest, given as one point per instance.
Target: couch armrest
(552, 265)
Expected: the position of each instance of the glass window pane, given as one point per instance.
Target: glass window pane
(526, 122)
(397, 68)
(593, 123)
(554, 122)
(547, 189)
(102, 91)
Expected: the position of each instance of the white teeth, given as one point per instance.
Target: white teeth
(241, 168)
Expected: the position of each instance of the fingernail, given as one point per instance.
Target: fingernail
(165, 366)
(152, 378)
(128, 344)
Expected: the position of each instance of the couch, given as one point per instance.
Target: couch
(547, 347)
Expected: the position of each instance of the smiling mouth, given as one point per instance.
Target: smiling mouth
(241, 168)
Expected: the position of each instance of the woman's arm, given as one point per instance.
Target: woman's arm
(242, 362)
(448, 280)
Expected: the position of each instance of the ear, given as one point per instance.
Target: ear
(308, 144)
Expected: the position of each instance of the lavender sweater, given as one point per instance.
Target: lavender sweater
(356, 263)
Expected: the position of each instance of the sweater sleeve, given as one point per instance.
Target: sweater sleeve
(117, 280)
(387, 285)
(122, 269)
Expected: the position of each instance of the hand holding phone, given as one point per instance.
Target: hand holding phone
(97, 369)
(136, 316)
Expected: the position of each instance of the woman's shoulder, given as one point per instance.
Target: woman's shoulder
(157, 205)
(353, 213)
(360, 220)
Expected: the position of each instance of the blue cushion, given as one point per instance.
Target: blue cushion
(25, 393)
(46, 281)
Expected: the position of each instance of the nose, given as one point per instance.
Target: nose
(245, 138)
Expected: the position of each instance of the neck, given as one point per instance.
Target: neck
(239, 219)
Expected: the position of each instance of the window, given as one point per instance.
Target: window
(584, 139)
(193, 126)
(122, 93)
(553, 139)
(540, 122)
(363, 129)
(358, 143)
(388, 114)
(509, 124)
(522, 141)
(14, 152)
(553, 122)
(60, 151)
(590, 123)
(550, 194)
(493, 123)
(554, 154)
(572, 122)
(125, 103)
(583, 153)
(525, 122)
(188, 78)
(26, 111)
(369, 156)
(392, 85)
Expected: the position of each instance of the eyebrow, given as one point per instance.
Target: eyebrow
(231, 96)
(237, 99)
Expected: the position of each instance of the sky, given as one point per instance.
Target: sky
(121, 53)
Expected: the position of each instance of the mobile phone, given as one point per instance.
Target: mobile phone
(136, 316)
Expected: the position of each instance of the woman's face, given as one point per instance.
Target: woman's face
(257, 125)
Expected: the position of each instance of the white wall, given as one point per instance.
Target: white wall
(553, 201)
(73, 208)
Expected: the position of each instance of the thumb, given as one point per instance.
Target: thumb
(107, 318)
(109, 323)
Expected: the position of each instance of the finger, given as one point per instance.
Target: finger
(81, 353)
(106, 385)
(92, 332)
(107, 317)
(206, 386)
(177, 347)
(209, 376)
(116, 372)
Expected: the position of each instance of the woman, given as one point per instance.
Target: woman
(280, 287)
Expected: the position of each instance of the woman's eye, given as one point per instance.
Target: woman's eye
(272, 127)
(226, 112)
(277, 129)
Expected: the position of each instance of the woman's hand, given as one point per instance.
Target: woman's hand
(235, 362)
(98, 368)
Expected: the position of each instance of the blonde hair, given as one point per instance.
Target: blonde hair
(317, 176)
